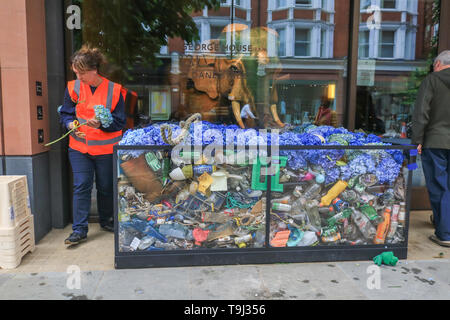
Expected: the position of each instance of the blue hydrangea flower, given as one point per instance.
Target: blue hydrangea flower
(387, 170)
(103, 115)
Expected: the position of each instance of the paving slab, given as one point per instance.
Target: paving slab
(50, 285)
(225, 282)
(310, 281)
(439, 270)
(405, 281)
(138, 284)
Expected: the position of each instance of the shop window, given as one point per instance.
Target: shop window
(323, 43)
(365, 4)
(280, 4)
(302, 42)
(216, 32)
(387, 44)
(388, 4)
(282, 42)
(303, 2)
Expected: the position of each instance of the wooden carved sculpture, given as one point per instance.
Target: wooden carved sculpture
(211, 84)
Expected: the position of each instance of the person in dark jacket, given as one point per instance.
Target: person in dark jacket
(431, 132)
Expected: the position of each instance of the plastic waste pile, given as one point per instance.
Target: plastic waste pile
(315, 214)
(199, 206)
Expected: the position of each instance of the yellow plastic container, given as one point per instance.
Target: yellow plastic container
(335, 191)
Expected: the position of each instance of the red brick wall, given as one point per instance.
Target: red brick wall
(280, 15)
(304, 14)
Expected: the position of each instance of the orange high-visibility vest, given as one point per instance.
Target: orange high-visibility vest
(97, 141)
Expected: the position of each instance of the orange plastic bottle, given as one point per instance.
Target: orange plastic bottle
(383, 227)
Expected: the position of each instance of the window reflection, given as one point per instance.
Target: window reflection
(277, 56)
(397, 43)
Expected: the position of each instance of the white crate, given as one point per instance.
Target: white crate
(14, 200)
(15, 242)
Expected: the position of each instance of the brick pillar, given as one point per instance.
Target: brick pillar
(25, 101)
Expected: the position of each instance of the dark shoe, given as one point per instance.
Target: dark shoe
(108, 227)
(75, 238)
(439, 242)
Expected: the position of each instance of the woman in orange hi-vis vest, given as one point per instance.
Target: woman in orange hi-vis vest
(91, 145)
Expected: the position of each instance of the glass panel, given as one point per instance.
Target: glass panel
(340, 197)
(387, 44)
(282, 43)
(181, 203)
(302, 2)
(388, 4)
(302, 42)
(399, 54)
(364, 44)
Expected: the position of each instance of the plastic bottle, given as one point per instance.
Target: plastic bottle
(173, 230)
(339, 205)
(123, 204)
(338, 218)
(281, 207)
(403, 132)
(166, 246)
(146, 242)
(243, 239)
(260, 239)
(363, 224)
(305, 117)
(329, 231)
(297, 191)
(253, 193)
(312, 210)
(332, 238)
(312, 191)
(309, 238)
(383, 227)
(153, 162)
(370, 213)
(394, 221)
(402, 214)
(231, 212)
(284, 200)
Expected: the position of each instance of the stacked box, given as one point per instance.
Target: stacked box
(16, 221)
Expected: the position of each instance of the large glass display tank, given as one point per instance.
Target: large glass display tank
(342, 196)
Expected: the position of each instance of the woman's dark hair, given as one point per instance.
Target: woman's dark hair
(87, 59)
(325, 102)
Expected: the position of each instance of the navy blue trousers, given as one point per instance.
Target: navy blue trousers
(84, 167)
(436, 168)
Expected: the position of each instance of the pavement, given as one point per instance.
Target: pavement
(87, 272)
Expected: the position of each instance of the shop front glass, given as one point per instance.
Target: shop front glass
(258, 65)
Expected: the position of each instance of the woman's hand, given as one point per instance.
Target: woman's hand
(94, 123)
(77, 132)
